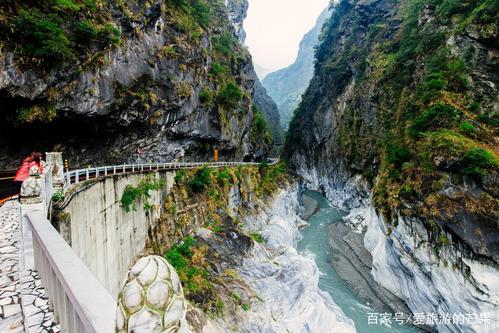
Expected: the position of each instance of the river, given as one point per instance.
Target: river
(315, 242)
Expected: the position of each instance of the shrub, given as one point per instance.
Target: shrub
(433, 84)
(205, 97)
(218, 70)
(474, 106)
(201, 180)
(490, 119)
(259, 127)
(230, 95)
(437, 116)
(178, 256)
(257, 237)
(85, 31)
(109, 34)
(224, 43)
(259, 122)
(398, 154)
(224, 177)
(456, 71)
(129, 196)
(476, 161)
(36, 114)
(467, 128)
(201, 11)
(271, 175)
(65, 5)
(42, 35)
(58, 196)
(132, 194)
(179, 176)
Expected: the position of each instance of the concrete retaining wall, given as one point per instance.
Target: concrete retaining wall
(103, 234)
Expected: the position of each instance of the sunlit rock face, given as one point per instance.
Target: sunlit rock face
(152, 299)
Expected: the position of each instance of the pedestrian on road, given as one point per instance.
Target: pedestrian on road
(37, 161)
(23, 172)
(138, 152)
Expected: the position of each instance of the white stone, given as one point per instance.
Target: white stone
(158, 294)
(139, 266)
(10, 310)
(175, 313)
(163, 270)
(133, 296)
(120, 319)
(144, 321)
(149, 273)
(163, 310)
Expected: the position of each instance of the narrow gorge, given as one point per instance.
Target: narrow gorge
(364, 193)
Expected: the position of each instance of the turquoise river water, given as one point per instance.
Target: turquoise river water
(315, 242)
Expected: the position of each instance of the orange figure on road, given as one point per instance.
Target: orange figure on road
(215, 154)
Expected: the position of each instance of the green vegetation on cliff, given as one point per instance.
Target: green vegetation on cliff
(56, 30)
(204, 198)
(416, 106)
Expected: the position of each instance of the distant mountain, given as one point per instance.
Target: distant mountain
(261, 71)
(286, 86)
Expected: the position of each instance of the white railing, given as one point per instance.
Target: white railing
(76, 176)
(80, 303)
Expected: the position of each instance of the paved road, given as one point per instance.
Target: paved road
(24, 305)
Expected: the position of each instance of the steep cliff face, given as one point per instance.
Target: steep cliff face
(402, 116)
(286, 86)
(237, 13)
(99, 79)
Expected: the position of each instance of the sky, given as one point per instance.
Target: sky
(275, 28)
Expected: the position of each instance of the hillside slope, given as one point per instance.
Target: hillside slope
(401, 122)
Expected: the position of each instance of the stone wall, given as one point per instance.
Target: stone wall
(102, 233)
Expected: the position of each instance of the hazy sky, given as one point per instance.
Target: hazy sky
(276, 27)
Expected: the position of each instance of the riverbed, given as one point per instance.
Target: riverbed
(314, 243)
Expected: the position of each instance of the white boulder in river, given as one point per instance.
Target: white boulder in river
(152, 299)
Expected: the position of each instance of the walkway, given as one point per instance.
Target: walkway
(21, 294)
(24, 305)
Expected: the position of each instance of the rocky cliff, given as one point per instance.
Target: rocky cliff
(286, 86)
(400, 122)
(97, 79)
(237, 13)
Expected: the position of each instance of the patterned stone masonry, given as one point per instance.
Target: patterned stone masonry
(38, 315)
(20, 293)
(11, 316)
(152, 299)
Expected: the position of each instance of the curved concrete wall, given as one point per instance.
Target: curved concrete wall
(103, 234)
